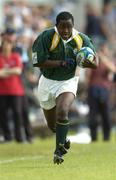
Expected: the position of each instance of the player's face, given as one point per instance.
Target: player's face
(65, 28)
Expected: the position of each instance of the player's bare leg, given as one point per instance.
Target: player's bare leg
(63, 104)
(50, 116)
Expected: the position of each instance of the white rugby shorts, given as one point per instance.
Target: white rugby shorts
(49, 90)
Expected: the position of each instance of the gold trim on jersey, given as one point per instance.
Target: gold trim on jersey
(78, 41)
(55, 41)
(56, 38)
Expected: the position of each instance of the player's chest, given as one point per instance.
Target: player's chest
(69, 49)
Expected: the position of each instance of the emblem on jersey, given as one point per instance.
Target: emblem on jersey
(34, 57)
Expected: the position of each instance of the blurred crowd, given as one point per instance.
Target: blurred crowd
(101, 27)
(22, 23)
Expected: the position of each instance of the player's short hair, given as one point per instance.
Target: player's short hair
(64, 16)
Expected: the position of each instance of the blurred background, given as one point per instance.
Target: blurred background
(28, 18)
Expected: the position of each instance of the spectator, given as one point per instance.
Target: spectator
(12, 90)
(108, 22)
(93, 26)
(98, 94)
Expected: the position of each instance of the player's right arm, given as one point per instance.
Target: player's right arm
(41, 54)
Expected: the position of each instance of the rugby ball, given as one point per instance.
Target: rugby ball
(85, 54)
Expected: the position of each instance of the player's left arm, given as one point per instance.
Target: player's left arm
(87, 42)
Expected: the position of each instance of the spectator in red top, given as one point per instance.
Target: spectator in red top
(98, 93)
(11, 87)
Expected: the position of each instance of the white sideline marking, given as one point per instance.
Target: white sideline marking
(20, 159)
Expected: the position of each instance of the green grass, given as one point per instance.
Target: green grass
(96, 161)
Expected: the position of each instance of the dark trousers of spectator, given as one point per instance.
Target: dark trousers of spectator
(98, 101)
(15, 104)
(26, 122)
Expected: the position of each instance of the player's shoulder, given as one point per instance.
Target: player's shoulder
(48, 33)
(84, 36)
(45, 36)
(87, 41)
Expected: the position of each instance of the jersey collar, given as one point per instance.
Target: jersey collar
(74, 33)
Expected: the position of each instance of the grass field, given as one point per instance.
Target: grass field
(95, 161)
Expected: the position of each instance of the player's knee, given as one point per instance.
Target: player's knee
(52, 127)
(62, 113)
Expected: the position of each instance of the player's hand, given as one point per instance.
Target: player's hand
(68, 63)
(89, 64)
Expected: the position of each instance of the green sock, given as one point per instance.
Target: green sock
(62, 127)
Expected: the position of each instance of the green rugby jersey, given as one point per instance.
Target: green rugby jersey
(49, 45)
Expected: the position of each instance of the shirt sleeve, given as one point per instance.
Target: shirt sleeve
(87, 42)
(40, 49)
